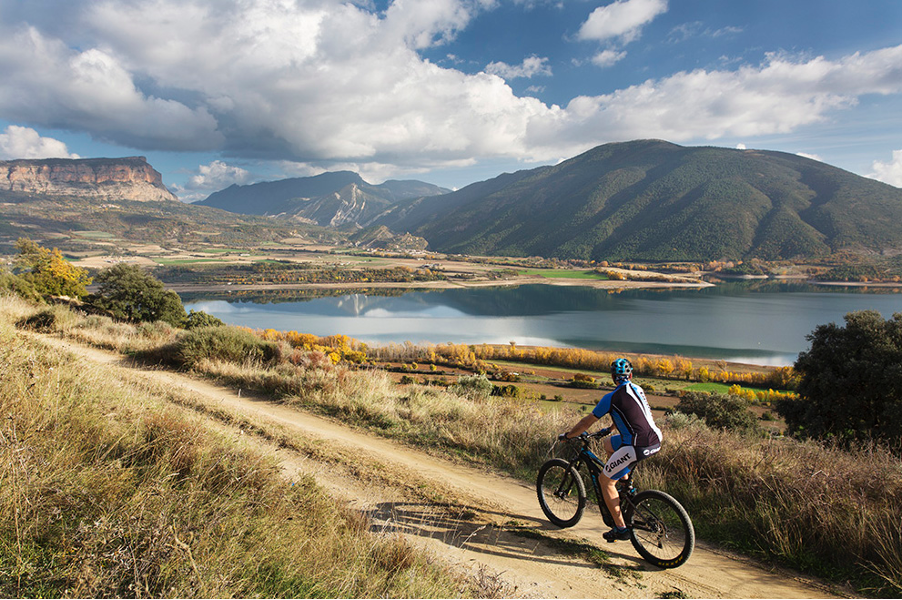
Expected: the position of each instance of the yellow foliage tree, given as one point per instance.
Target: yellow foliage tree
(49, 272)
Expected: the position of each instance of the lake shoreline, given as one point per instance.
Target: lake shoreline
(438, 285)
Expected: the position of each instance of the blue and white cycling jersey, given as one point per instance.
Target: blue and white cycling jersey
(631, 415)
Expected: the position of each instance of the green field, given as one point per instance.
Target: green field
(564, 274)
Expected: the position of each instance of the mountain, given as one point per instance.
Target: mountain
(129, 178)
(653, 200)
(334, 199)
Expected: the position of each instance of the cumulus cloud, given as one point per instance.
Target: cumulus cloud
(24, 142)
(325, 83)
(811, 156)
(210, 178)
(623, 19)
(889, 172)
(606, 58)
(778, 96)
(530, 67)
(47, 83)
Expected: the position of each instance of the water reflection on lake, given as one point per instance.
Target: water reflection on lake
(759, 323)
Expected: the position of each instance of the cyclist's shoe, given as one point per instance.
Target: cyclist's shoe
(616, 534)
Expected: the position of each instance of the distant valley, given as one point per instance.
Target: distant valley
(645, 200)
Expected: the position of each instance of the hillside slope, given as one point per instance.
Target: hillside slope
(654, 200)
(334, 199)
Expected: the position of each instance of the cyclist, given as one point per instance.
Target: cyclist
(638, 437)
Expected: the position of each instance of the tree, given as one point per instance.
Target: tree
(128, 292)
(850, 381)
(49, 272)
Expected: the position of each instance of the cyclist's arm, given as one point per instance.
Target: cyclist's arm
(583, 425)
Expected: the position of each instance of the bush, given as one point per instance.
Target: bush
(227, 344)
(850, 384)
(472, 386)
(19, 286)
(198, 318)
(507, 391)
(720, 411)
(130, 293)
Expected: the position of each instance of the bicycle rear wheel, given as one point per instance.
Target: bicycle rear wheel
(562, 494)
(662, 532)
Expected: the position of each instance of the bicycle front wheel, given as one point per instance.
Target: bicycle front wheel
(562, 494)
(662, 532)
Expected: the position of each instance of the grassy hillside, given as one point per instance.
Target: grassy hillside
(651, 200)
(75, 224)
(808, 505)
(109, 488)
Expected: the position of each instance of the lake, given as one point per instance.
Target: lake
(760, 323)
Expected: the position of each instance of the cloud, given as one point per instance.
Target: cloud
(210, 178)
(530, 67)
(48, 84)
(606, 58)
(24, 142)
(623, 19)
(890, 172)
(779, 96)
(686, 31)
(322, 83)
(811, 156)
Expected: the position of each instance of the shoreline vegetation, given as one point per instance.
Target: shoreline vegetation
(771, 497)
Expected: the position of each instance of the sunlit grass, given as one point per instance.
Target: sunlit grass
(808, 505)
(563, 274)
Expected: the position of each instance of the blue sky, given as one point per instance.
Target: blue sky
(446, 91)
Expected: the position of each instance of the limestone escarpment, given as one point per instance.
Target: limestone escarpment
(129, 178)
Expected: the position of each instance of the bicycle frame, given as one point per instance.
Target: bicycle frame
(595, 465)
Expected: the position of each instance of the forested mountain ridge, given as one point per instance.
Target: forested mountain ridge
(655, 200)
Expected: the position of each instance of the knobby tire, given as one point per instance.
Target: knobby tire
(661, 530)
(562, 493)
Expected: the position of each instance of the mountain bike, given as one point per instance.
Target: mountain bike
(660, 528)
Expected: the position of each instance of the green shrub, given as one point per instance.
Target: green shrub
(227, 344)
(198, 318)
(19, 286)
(720, 411)
(507, 391)
(472, 386)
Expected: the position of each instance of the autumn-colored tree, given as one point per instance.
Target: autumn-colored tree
(48, 271)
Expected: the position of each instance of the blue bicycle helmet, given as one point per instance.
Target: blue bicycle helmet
(621, 370)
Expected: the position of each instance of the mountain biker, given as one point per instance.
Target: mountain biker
(638, 437)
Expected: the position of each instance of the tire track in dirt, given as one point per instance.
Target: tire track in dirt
(481, 528)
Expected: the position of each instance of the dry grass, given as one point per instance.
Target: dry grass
(821, 509)
(105, 490)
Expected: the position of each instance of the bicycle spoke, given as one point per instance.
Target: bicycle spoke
(662, 532)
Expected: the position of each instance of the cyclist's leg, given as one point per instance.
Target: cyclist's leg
(619, 460)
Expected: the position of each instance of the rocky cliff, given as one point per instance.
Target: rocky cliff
(129, 178)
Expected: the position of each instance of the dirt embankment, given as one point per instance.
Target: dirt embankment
(479, 522)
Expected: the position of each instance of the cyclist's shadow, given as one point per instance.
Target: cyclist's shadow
(522, 537)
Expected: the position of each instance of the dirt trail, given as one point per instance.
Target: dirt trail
(481, 537)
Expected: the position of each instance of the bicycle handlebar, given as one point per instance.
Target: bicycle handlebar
(584, 436)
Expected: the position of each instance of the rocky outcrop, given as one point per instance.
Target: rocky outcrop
(129, 178)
